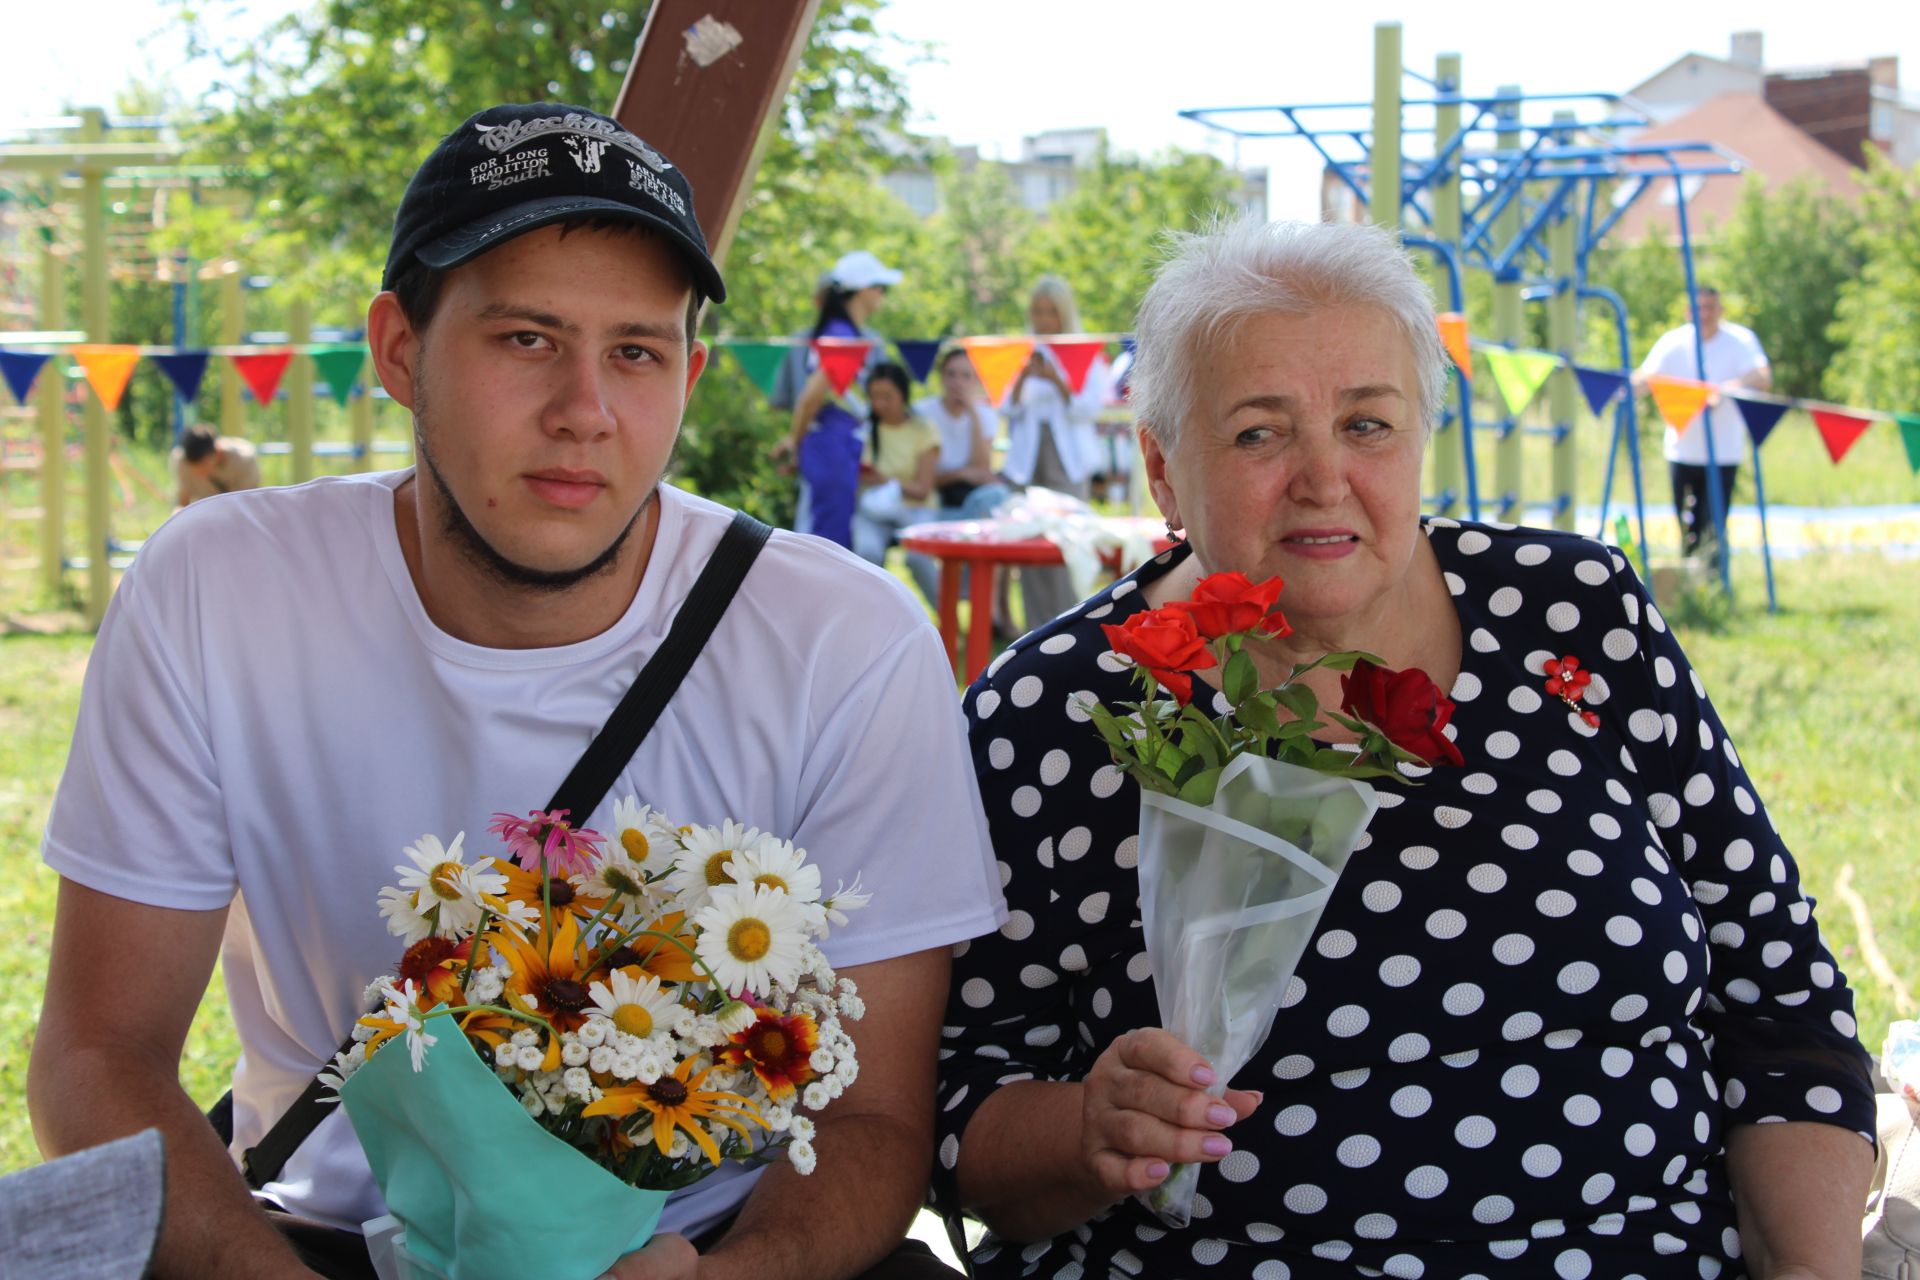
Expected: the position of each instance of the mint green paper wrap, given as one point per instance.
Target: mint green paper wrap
(484, 1191)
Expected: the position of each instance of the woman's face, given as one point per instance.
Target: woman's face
(1302, 458)
(957, 382)
(887, 402)
(1043, 316)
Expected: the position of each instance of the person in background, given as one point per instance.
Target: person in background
(898, 463)
(824, 436)
(205, 464)
(1051, 440)
(1735, 361)
(969, 487)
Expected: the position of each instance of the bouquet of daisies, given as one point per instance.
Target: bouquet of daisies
(623, 1014)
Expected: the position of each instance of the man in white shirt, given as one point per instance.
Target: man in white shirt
(1734, 361)
(293, 684)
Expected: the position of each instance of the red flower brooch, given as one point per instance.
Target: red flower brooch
(1567, 682)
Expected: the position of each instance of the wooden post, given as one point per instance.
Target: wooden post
(1383, 174)
(1509, 323)
(1563, 336)
(95, 320)
(53, 432)
(709, 107)
(300, 391)
(1449, 474)
(233, 305)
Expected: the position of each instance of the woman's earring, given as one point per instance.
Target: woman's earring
(1173, 534)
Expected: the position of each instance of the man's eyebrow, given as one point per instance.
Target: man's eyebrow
(547, 320)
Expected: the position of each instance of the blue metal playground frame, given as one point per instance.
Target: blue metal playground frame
(1569, 168)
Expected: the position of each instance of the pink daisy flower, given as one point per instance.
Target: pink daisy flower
(548, 838)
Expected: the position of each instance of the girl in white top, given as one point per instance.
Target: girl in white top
(1051, 439)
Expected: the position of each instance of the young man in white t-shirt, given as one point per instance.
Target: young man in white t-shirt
(293, 684)
(1734, 361)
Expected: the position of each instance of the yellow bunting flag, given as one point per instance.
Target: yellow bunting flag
(1520, 374)
(107, 367)
(997, 361)
(1678, 399)
(1453, 335)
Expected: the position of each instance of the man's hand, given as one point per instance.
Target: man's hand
(665, 1257)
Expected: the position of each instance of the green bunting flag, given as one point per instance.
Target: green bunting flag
(761, 360)
(1520, 374)
(339, 368)
(1910, 436)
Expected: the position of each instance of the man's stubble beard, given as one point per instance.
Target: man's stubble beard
(486, 557)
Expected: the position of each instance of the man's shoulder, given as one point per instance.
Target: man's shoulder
(231, 529)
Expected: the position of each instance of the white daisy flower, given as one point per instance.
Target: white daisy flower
(845, 898)
(446, 886)
(750, 937)
(633, 1005)
(777, 864)
(645, 838)
(405, 919)
(801, 1127)
(592, 1034)
(701, 865)
(735, 1016)
(816, 1096)
(801, 1155)
(600, 1059)
(400, 1009)
(573, 1053)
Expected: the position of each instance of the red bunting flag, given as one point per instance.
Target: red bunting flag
(1453, 335)
(1678, 399)
(1839, 430)
(996, 361)
(1076, 357)
(107, 368)
(261, 371)
(841, 359)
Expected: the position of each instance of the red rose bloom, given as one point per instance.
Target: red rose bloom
(1406, 706)
(1224, 603)
(1165, 642)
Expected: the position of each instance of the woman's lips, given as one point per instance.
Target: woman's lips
(567, 489)
(1321, 544)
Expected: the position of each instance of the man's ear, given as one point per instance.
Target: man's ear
(697, 356)
(394, 346)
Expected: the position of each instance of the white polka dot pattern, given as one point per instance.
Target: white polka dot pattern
(1487, 1063)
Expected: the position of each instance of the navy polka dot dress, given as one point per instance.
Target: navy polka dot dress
(1545, 987)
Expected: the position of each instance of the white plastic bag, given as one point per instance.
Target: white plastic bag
(1230, 895)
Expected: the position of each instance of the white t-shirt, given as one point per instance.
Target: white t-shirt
(957, 429)
(1732, 352)
(269, 711)
(1038, 406)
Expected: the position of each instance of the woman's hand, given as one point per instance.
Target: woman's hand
(665, 1257)
(1145, 1108)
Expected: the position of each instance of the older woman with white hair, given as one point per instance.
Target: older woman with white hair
(1566, 1013)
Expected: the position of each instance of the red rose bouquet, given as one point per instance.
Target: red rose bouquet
(1246, 822)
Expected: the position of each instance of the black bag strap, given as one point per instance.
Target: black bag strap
(580, 794)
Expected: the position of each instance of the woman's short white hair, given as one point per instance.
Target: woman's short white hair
(1215, 280)
(1060, 293)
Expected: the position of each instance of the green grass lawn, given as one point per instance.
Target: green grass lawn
(1826, 717)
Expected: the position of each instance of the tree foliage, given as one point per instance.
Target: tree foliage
(1879, 309)
(1781, 262)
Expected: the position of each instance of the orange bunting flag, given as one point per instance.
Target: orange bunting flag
(1678, 399)
(108, 368)
(262, 370)
(1839, 430)
(841, 359)
(996, 362)
(1453, 335)
(1076, 357)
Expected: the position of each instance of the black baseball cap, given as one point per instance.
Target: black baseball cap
(510, 169)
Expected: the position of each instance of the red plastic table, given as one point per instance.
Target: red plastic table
(973, 544)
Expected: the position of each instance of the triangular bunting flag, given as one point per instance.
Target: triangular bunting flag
(184, 369)
(1761, 416)
(1678, 399)
(1076, 357)
(261, 371)
(1910, 436)
(996, 361)
(20, 368)
(761, 360)
(1453, 335)
(841, 360)
(108, 368)
(1520, 374)
(1839, 430)
(919, 355)
(339, 368)
(1599, 386)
